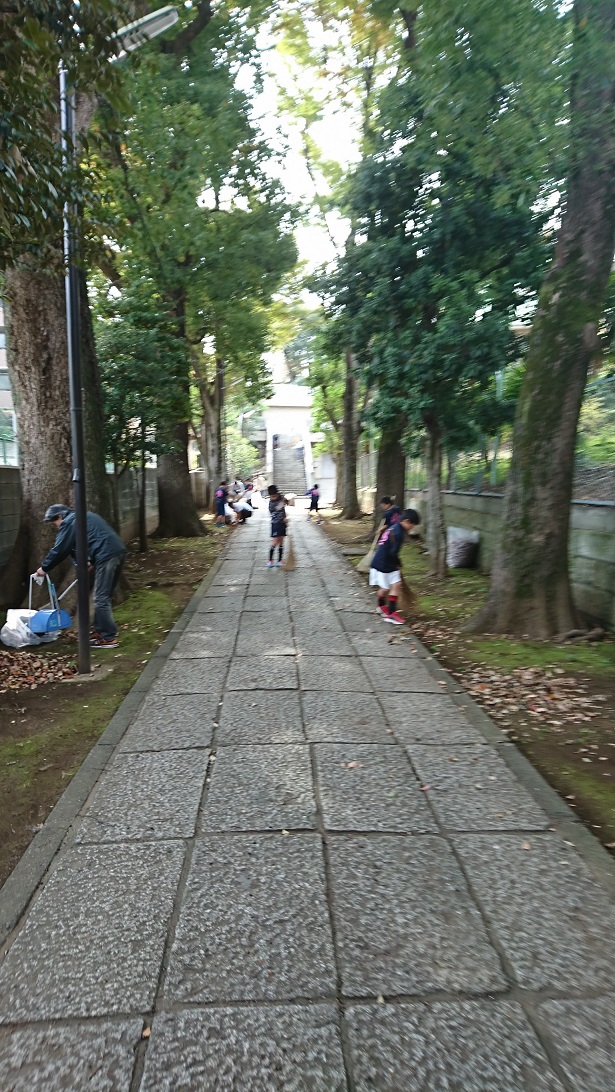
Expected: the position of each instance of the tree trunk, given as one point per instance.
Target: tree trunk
(351, 508)
(143, 496)
(436, 526)
(338, 459)
(219, 405)
(177, 510)
(530, 590)
(98, 490)
(36, 338)
(178, 517)
(209, 436)
(391, 471)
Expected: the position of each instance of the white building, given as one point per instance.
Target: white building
(8, 428)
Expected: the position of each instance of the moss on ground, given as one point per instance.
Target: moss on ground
(47, 732)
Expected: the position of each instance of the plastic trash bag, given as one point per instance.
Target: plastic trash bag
(16, 632)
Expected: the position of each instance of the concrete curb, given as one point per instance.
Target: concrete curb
(563, 819)
(23, 882)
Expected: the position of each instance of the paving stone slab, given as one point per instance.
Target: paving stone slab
(311, 623)
(260, 588)
(464, 1046)
(224, 624)
(254, 923)
(364, 786)
(408, 677)
(324, 644)
(429, 718)
(239, 570)
(219, 589)
(98, 1056)
(264, 672)
(553, 920)
(308, 599)
(267, 638)
(222, 604)
(269, 1049)
(206, 646)
(150, 795)
(332, 673)
(261, 788)
(344, 718)
(383, 643)
(169, 723)
(255, 718)
(352, 606)
(405, 922)
(472, 788)
(584, 1035)
(191, 677)
(92, 943)
(260, 604)
(368, 625)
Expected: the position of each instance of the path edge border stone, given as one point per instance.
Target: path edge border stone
(23, 882)
(569, 825)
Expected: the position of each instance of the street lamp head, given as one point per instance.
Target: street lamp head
(142, 30)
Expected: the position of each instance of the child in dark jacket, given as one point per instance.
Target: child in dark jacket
(385, 572)
(221, 497)
(314, 495)
(277, 511)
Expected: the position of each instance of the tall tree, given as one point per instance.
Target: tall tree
(35, 36)
(213, 228)
(140, 355)
(530, 585)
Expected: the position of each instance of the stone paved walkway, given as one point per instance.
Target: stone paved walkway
(306, 869)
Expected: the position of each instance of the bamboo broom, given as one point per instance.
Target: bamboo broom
(365, 563)
(407, 602)
(290, 561)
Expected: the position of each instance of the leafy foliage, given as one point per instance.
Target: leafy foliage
(140, 356)
(34, 37)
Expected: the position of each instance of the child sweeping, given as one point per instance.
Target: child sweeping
(314, 495)
(385, 572)
(277, 511)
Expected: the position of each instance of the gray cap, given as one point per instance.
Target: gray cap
(54, 511)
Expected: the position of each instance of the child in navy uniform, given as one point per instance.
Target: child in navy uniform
(314, 494)
(390, 512)
(221, 497)
(277, 511)
(385, 572)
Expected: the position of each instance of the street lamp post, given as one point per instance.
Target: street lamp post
(127, 39)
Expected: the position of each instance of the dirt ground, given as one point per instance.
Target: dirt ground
(556, 702)
(47, 728)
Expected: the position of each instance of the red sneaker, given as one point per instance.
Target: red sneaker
(396, 618)
(101, 642)
(382, 612)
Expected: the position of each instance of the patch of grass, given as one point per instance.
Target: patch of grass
(46, 733)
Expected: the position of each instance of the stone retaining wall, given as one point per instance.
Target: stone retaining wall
(592, 542)
(10, 504)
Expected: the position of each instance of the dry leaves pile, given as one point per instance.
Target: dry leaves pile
(27, 671)
(532, 694)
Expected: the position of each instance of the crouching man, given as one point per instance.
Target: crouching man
(106, 555)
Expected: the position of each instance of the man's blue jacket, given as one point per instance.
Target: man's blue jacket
(103, 543)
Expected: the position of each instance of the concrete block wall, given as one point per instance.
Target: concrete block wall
(592, 542)
(10, 506)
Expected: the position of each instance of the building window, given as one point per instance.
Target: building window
(5, 383)
(2, 339)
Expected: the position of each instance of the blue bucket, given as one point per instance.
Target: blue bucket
(53, 618)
